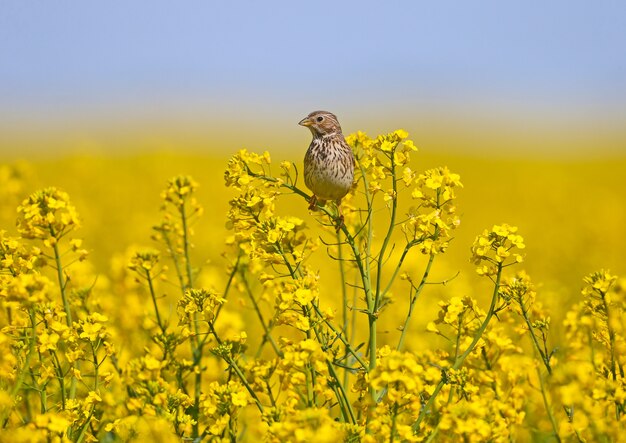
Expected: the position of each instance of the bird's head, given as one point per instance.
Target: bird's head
(321, 123)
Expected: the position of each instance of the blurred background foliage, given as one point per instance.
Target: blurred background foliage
(526, 101)
(572, 212)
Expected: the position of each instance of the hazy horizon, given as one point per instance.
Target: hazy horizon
(84, 71)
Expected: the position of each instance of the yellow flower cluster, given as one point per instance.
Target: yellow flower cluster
(180, 210)
(48, 215)
(400, 376)
(592, 385)
(492, 249)
(14, 258)
(263, 344)
(239, 173)
(152, 394)
(307, 425)
(179, 190)
(299, 364)
(144, 261)
(30, 289)
(483, 400)
(292, 298)
(61, 348)
(264, 237)
(380, 159)
(431, 222)
(483, 418)
(460, 314)
(221, 406)
(198, 301)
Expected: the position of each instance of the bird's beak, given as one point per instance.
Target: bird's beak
(306, 121)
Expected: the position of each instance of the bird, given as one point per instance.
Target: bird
(329, 161)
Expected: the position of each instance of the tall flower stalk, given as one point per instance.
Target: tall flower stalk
(383, 174)
(307, 328)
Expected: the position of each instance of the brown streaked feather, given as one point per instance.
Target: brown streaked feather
(329, 162)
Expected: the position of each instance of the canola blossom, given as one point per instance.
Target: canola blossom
(168, 348)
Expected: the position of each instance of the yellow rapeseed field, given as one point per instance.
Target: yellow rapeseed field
(184, 297)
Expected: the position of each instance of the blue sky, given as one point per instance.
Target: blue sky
(66, 56)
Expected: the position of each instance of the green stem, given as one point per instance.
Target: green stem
(340, 391)
(61, 377)
(293, 275)
(611, 336)
(457, 347)
(59, 266)
(340, 336)
(373, 312)
(433, 434)
(172, 252)
(358, 259)
(396, 271)
(366, 275)
(372, 342)
(21, 374)
(363, 271)
(257, 309)
(611, 350)
(537, 346)
(309, 386)
(555, 428)
(96, 367)
(390, 229)
(197, 362)
(350, 338)
(66, 304)
(196, 344)
(154, 301)
(229, 283)
(459, 360)
(344, 396)
(394, 418)
(83, 430)
(225, 295)
(43, 401)
(418, 291)
(43, 395)
(483, 326)
(344, 299)
(233, 364)
(183, 216)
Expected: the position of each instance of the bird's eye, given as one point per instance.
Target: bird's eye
(320, 119)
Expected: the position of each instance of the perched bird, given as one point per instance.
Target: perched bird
(329, 161)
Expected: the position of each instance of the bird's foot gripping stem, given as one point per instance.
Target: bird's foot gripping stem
(340, 218)
(340, 222)
(314, 202)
